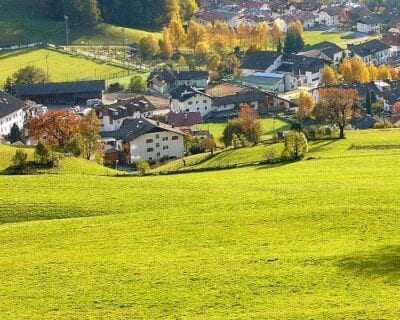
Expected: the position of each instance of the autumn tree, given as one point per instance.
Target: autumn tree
(396, 108)
(137, 84)
(373, 72)
(213, 62)
(337, 105)
(359, 70)
(172, 10)
(201, 53)
(88, 137)
(305, 105)
(196, 33)
(383, 72)
(165, 44)
(260, 35)
(232, 129)
(188, 9)
(55, 128)
(276, 33)
(328, 76)
(346, 70)
(148, 47)
(176, 32)
(251, 125)
(244, 34)
(222, 37)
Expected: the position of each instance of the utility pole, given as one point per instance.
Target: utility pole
(66, 29)
(47, 66)
(123, 48)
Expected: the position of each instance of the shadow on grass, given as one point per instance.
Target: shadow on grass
(384, 262)
(274, 165)
(321, 145)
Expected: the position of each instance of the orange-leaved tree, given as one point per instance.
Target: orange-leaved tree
(251, 125)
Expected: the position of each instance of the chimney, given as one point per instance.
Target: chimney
(186, 116)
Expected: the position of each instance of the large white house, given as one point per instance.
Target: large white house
(189, 99)
(11, 112)
(145, 139)
(373, 51)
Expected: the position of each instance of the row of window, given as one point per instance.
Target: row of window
(163, 139)
(152, 149)
(197, 102)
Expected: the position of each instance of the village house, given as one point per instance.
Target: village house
(163, 81)
(148, 106)
(370, 24)
(184, 120)
(190, 99)
(325, 50)
(330, 16)
(298, 70)
(144, 139)
(373, 51)
(392, 39)
(62, 94)
(12, 111)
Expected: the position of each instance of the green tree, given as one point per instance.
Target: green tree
(148, 47)
(188, 9)
(42, 153)
(296, 145)
(294, 41)
(30, 75)
(15, 134)
(137, 84)
(9, 86)
(233, 128)
(368, 103)
(20, 160)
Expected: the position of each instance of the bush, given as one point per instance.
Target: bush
(116, 87)
(296, 146)
(20, 160)
(197, 148)
(271, 155)
(383, 124)
(142, 166)
(42, 154)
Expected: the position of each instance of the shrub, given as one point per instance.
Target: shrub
(116, 87)
(142, 166)
(42, 154)
(296, 146)
(197, 148)
(19, 160)
(383, 124)
(270, 154)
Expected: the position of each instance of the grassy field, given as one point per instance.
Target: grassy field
(62, 66)
(269, 126)
(313, 37)
(21, 23)
(315, 239)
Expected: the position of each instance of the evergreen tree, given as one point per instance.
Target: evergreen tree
(368, 103)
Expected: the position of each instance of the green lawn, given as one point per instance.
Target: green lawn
(62, 66)
(315, 239)
(20, 23)
(269, 126)
(313, 37)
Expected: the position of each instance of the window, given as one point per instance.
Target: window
(157, 136)
(150, 149)
(198, 109)
(158, 154)
(204, 101)
(197, 102)
(157, 145)
(190, 103)
(165, 147)
(149, 140)
(175, 137)
(165, 139)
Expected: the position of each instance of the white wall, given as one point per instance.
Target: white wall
(197, 103)
(8, 121)
(162, 145)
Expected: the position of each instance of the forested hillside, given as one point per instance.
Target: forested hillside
(138, 13)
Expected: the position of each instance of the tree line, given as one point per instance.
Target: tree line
(130, 13)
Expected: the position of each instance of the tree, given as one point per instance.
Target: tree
(305, 105)
(337, 106)
(244, 34)
(42, 153)
(188, 8)
(82, 11)
(166, 45)
(201, 53)
(115, 87)
(137, 84)
(196, 33)
(276, 34)
(20, 160)
(213, 62)
(30, 75)
(148, 47)
(232, 128)
(368, 103)
(346, 70)
(182, 61)
(378, 107)
(373, 72)
(172, 10)
(396, 108)
(15, 134)
(142, 166)
(294, 41)
(89, 139)
(328, 76)
(9, 86)
(55, 128)
(176, 32)
(250, 124)
(209, 144)
(384, 72)
(296, 145)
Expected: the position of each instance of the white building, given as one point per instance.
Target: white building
(330, 16)
(11, 112)
(189, 99)
(373, 51)
(145, 139)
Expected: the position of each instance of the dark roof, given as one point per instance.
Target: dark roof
(169, 76)
(300, 64)
(191, 75)
(184, 119)
(60, 88)
(333, 10)
(185, 92)
(9, 104)
(326, 47)
(362, 88)
(250, 95)
(368, 48)
(134, 128)
(260, 60)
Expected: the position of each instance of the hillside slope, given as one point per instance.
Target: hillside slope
(315, 239)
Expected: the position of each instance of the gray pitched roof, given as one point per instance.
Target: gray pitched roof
(185, 92)
(134, 128)
(9, 104)
(369, 48)
(260, 60)
(60, 87)
(326, 47)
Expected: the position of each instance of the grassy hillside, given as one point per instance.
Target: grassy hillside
(341, 39)
(316, 239)
(62, 66)
(67, 165)
(21, 23)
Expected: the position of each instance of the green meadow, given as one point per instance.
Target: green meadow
(315, 239)
(313, 37)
